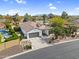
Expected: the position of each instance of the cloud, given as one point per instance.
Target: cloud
(77, 8)
(21, 1)
(12, 11)
(51, 6)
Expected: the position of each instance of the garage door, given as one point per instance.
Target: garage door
(31, 35)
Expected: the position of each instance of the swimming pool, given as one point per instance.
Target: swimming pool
(4, 33)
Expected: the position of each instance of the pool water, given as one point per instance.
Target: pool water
(4, 33)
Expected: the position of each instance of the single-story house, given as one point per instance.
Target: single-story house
(32, 29)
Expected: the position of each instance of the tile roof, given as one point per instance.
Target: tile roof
(2, 25)
(27, 26)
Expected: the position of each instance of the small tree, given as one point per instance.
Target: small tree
(64, 15)
(44, 18)
(73, 29)
(16, 19)
(1, 16)
(26, 17)
(57, 31)
(50, 15)
(57, 21)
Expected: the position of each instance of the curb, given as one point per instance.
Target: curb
(37, 49)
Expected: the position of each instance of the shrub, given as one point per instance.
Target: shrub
(8, 39)
(14, 36)
(27, 47)
(17, 28)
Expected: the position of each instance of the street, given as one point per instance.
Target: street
(68, 50)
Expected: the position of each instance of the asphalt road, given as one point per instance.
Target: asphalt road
(62, 51)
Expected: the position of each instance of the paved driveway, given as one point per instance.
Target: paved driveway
(38, 43)
(68, 50)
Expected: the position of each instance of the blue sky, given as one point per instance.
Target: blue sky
(35, 7)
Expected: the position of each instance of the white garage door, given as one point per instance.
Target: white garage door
(31, 35)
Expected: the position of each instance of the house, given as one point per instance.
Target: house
(76, 22)
(2, 25)
(32, 29)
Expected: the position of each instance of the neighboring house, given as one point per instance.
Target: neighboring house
(76, 22)
(32, 29)
(2, 26)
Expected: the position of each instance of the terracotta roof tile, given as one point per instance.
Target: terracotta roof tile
(27, 26)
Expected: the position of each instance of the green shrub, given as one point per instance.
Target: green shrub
(8, 39)
(27, 47)
(14, 36)
(17, 28)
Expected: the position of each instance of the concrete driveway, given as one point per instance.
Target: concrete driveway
(38, 43)
(68, 50)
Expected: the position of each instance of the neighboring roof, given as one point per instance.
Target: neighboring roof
(30, 25)
(77, 22)
(2, 25)
(43, 27)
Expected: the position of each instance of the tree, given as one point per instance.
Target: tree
(1, 16)
(44, 18)
(58, 31)
(50, 15)
(15, 17)
(30, 18)
(56, 21)
(26, 17)
(64, 15)
(73, 29)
